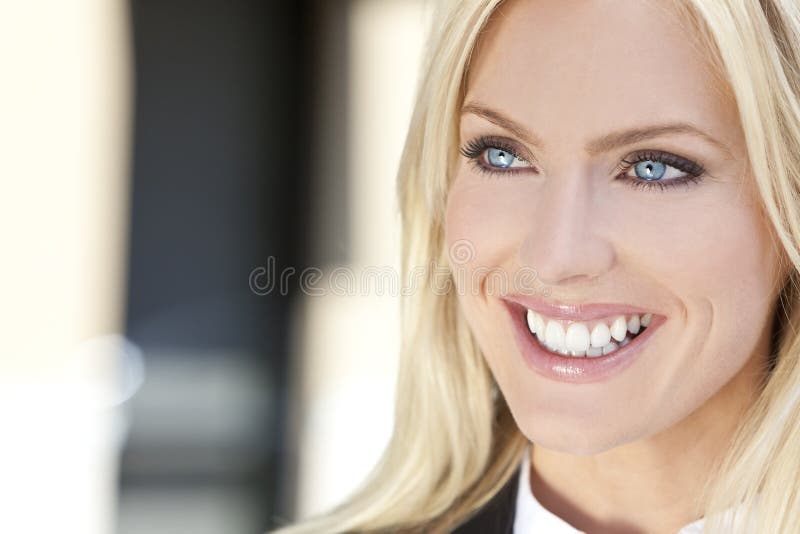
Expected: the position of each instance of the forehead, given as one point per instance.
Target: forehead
(558, 65)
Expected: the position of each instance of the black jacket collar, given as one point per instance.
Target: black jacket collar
(497, 515)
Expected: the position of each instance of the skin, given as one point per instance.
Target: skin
(628, 454)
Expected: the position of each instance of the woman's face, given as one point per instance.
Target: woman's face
(600, 156)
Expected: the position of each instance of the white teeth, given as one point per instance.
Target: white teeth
(594, 352)
(554, 334)
(540, 326)
(532, 321)
(600, 335)
(577, 338)
(633, 324)
(619, 328)
(577, 341)
(611, 347)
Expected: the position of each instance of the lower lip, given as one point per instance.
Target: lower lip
(572, 369)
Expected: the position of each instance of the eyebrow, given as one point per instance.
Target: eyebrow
(601, 144)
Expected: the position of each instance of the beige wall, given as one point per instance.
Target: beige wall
(64, 132)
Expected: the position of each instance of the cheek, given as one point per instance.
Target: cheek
(489, 217)
(718, 250)
(713, 255)
(484, 226)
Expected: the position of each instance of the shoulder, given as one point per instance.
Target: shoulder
(497, 515)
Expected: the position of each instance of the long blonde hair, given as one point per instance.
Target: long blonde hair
(454, 443)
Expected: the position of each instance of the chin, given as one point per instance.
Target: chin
(571, 441)
(582, 436)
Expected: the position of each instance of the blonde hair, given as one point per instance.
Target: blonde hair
(455, 443)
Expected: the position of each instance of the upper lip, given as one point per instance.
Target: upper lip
(575, 311)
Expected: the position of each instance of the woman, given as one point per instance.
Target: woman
(614, 187)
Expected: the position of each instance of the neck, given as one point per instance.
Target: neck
(650, 485)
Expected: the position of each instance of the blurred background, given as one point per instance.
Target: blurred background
(172, 172)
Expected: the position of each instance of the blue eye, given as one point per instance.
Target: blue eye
(646, 170)
(650, 170)
(497, 157)
(501, 158)
(660, 169)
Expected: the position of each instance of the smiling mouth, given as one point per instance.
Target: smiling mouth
(578, 339)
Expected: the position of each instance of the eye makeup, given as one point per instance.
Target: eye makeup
(476, 149)
(693, 172)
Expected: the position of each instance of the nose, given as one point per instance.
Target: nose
(566, 241)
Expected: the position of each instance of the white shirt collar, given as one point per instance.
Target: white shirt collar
(530, 516)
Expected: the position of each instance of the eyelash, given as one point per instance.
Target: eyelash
(474, 149)
(693, 171)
